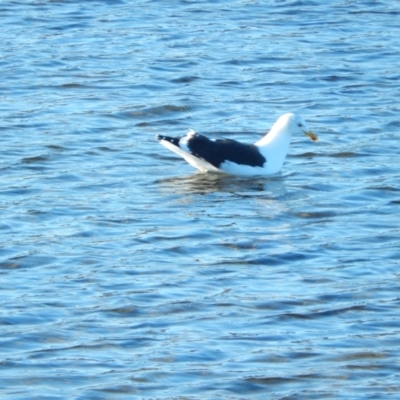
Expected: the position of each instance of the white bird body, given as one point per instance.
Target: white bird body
(264, 157)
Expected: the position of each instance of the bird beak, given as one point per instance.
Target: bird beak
(311, 135)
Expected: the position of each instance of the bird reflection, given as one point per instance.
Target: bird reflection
(201, 183)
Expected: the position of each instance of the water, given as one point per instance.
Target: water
(125, 274)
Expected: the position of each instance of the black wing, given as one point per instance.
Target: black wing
(170, 139)
(218, 151)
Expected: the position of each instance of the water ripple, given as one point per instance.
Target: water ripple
(125, 273)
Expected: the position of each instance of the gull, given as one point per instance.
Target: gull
(228, 156)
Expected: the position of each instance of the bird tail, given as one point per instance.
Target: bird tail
(174, 141)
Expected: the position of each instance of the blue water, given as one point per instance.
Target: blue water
(126, 274)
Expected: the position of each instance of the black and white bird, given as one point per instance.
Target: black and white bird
(264, 157)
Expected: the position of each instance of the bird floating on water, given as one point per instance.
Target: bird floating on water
(264, 157)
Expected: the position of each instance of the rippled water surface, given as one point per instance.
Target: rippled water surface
(126, 274)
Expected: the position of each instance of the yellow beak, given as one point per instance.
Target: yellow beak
(311, 135)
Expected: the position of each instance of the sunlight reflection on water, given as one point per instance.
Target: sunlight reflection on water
(125, 273)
